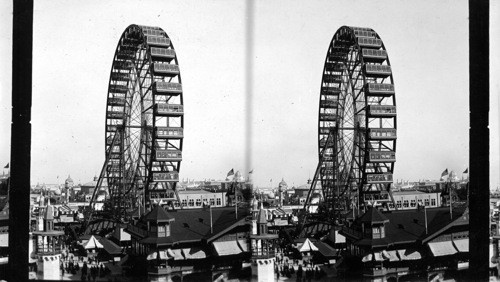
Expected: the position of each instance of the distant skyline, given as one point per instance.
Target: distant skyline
(74, 46)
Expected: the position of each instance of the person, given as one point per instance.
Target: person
(84, 269)
(93, 272)
(84, 277)
(102, 271)
(309, 275)
(299, 273)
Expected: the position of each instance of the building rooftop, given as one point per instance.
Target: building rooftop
(158, 214)
(407, 192)
(373, 215)
(408, 226)
(195, 192)
(193, 225)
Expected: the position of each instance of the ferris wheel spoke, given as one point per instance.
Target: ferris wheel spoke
(135, 147)
(359, 111)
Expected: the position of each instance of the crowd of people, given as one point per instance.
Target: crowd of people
(301, 269)
(300, 274)
(89, 270)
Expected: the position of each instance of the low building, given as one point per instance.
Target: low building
(421, 244)
(407, 200)
(191, 242)
(89, 187)
(195, 199)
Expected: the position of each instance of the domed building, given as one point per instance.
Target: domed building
(238, 177)
(282, 186)
(68, 186)
(68, 183)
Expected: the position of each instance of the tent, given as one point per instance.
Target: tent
(92, 243)
(307, 246)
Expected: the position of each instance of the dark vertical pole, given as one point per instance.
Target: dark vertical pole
(19, 201)
(479, 139)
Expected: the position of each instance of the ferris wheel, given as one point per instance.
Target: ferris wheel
(357, 121)
(144, 120)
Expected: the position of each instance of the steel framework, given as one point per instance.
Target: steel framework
(144, 122)
(356, 125)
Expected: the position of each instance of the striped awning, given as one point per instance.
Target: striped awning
(444, 248)
(64, 209)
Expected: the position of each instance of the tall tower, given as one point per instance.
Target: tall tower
(282, 186)
(263, 256)
(68, 184)
(48, 247)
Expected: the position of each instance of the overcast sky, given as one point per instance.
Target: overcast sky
(74, 43)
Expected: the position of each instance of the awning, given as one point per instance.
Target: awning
(367, 258)
(154, 255)
(443, 248)
(409, 254)
(378, 256)
(243, 245)
(66, 218)
(279, 212)
(65, 209)
(390, 255)
(175, 253)
(4, 240)
(462, 245)
(193, 253)
(226, 248)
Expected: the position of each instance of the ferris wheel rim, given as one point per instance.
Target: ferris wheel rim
(133, 62)
(344, 43)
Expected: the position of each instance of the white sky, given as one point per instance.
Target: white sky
(74, 43)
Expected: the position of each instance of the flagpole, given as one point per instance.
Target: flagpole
(236, 199)
(451, 199)
(211, 224)
(425, 217)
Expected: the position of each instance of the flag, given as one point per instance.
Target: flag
(251, 172)
(7, 165)
(231, 172)
(445, 172)
(466, 171)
